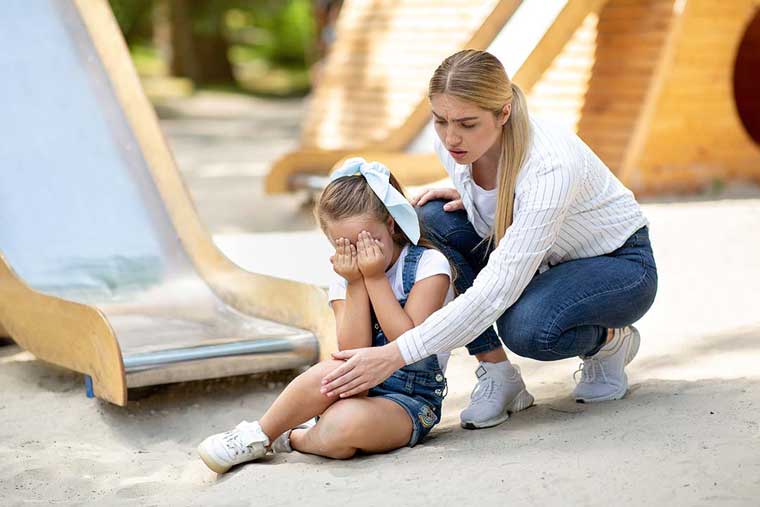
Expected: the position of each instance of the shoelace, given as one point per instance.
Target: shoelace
(588, 370)
(483, 390)
(234, 443)
(240, 439)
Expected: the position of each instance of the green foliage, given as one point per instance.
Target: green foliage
(279, 32)
(270, 41)
(134, 18)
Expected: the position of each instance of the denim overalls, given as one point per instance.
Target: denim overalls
(419, 387)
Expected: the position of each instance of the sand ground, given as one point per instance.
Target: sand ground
(688, 433)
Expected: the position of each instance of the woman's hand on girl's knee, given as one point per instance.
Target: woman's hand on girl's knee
(362, 370)
(447, 194)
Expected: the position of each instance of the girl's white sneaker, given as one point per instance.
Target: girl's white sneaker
(247, 442)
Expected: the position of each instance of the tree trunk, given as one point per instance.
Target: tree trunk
(202, 57)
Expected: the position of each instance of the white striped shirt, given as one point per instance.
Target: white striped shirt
(568, 205)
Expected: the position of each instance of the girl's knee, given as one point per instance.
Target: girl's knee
(337, 430)
(342, 424)
(315, 374)
(340, 453)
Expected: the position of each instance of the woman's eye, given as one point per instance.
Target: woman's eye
(468, 126)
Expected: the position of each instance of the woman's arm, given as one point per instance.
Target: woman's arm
(544, 203)
(511, 266)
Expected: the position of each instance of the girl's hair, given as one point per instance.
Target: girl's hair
(351, 196)
(480, 78)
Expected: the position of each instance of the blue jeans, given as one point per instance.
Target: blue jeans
(565, 311)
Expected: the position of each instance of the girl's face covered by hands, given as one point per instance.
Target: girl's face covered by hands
(376, 234)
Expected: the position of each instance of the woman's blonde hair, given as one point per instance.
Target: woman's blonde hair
(480, 78)
(351, 196)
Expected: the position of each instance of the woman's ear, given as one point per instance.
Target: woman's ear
(506, 111)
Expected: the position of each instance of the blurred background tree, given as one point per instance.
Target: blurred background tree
(261, 46)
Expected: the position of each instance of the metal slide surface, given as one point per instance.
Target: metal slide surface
(81, 218)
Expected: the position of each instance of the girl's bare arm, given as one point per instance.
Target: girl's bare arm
(352, 317)
(426, 297)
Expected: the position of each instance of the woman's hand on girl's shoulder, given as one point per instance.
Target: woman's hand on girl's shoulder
(446, 194)
(345, 261)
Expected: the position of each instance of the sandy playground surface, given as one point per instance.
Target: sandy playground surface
(688, 433)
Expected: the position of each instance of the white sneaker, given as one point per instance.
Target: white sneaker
(603, 375)
(500, 391)
(282, 443)
(246, 442)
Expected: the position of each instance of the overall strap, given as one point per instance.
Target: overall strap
(409, 273)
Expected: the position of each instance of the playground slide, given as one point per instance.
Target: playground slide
(104, 266)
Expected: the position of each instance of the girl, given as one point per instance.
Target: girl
(388, 283)
(567, 266)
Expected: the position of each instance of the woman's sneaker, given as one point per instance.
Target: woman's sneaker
(222, 451)
(603, 375)
(500, 391)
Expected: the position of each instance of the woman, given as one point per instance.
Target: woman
(569, 265)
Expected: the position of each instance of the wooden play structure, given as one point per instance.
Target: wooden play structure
(665, 91)
(105, 268)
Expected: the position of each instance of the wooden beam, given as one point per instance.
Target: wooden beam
(400, 138)
(634, 150)
(554, 40)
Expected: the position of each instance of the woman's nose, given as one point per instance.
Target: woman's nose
(452, 137)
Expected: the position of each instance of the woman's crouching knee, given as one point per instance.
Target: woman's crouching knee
(533, 345)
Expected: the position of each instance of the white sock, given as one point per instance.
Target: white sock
(504, 367)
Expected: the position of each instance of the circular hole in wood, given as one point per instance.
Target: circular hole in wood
(747, 78)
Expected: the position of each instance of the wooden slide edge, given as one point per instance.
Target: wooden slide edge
(61, 332)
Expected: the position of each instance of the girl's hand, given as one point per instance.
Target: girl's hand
(370, 256)
(363, 369)
(345, 260)
(447, 194)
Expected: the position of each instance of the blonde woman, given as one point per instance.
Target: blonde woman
(548, 243)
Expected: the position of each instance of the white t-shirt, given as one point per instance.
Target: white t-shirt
(485, 202)
(432, 262)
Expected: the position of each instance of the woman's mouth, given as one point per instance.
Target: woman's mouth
(458, 154)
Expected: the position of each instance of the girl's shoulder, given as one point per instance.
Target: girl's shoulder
(432, 262)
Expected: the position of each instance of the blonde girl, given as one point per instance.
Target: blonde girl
(386, 283)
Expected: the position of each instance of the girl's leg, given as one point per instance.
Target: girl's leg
(248, 441)
(299, 402)
(353, 424)
(454, 235)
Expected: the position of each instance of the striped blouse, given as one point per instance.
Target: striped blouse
(568, 205)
